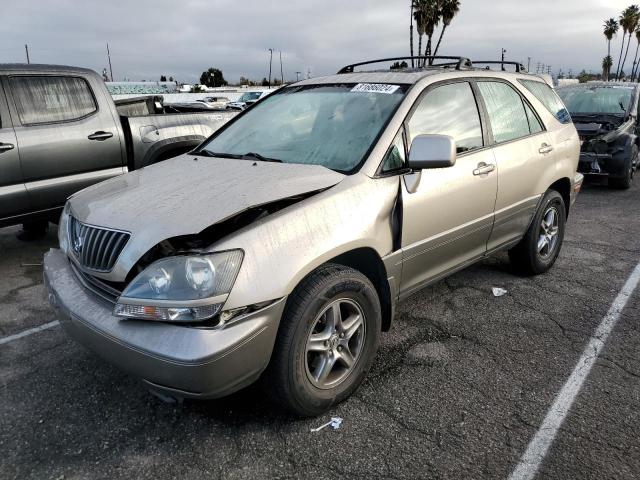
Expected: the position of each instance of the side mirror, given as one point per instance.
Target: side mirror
(432, 151)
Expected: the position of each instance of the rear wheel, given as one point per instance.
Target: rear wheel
(538, 250)
(33, 230)
(326, 342)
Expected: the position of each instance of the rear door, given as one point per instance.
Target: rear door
(67, 142)
(522, 151)
(13, 194)
(447, 212)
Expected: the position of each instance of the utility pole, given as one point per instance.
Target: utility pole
(110, 68)
(281, 72)
(503, 52)
(26, 49)
(528, 64)
(270, 61)
(298, 76)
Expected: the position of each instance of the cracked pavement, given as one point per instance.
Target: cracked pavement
(459, 387)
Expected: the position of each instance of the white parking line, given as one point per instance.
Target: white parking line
(28, 332)
(537, 449)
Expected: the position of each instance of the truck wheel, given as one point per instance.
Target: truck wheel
(326, 342)
(538, 250)
(33, 230)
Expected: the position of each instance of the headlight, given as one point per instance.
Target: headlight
(63, 229)
(182, 288)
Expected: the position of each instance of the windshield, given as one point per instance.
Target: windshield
(605, 100)
(329, 125)
(247, 97)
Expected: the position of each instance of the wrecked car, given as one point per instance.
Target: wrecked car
(606, 117)
(279, 249)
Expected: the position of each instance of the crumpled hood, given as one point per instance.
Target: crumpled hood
(189, 193)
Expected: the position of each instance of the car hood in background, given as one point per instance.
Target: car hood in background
(189, 193)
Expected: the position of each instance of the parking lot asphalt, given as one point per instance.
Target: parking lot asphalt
(458, 390)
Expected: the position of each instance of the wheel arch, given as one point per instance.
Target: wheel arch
(367, 261)
(563, 187)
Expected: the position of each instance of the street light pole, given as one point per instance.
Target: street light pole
(298, 76)
(110, 69)
(26, 49)
(270, 61)
(528, 64)
(281, 71)
(503, 52)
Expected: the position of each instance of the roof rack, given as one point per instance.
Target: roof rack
(520, 68)
(459, 62)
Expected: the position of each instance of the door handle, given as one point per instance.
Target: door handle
(100, 136)
(5, 147)
(484, 169)
(545, 148)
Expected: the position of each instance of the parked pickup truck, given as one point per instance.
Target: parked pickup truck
(60, 131)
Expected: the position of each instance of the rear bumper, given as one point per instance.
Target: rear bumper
(175, 360)
(576, 185)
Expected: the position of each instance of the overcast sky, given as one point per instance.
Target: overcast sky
(182, 38)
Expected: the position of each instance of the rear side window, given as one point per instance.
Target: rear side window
(506, 111)
(43, 99)
(449, 110)
(549, 99)
(534, 124)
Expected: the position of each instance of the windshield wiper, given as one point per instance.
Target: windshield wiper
(262, 158)
(208, 153)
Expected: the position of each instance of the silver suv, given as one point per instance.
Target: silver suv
(280, 247)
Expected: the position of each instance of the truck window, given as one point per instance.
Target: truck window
(449, 110)
(506, 111)
(47, 99)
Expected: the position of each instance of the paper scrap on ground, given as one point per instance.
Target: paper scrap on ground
(334, 423)
(498, 292)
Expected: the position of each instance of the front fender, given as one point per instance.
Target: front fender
(283, 248)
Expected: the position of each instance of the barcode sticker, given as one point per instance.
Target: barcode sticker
(375, 88)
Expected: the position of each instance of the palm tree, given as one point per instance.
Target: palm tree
(449, 10)
(418, 15)
(629, 22)
(611, 28)
(635, 57)
(411, 33)
(607, 63)
(432, 16)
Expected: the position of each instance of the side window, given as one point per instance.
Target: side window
(548, 98)
(506, 111)
(449, 110)
(395, 157)
(43, 99)
(534, 123)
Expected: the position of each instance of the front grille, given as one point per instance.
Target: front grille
(96, 286)
(96, 248)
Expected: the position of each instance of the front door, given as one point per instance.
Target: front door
(13, 194)
(66, 141)
(447, 212)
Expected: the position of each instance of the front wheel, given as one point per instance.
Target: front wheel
(538, 250)
(326, 342)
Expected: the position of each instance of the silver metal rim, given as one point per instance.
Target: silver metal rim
(549, 232)
(335, 343)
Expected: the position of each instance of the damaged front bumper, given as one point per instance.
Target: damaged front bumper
(173, 360)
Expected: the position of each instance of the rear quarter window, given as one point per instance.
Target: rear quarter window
(46, 99)
(548, 98)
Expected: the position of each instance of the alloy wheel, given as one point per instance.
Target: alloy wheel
(548, 234)
(335, 343)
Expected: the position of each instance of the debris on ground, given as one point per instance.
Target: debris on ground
(499, 292)
(334, 423)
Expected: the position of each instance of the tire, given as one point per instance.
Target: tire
(295, 378)
(528, 257)
(624, 183)
(33, 230)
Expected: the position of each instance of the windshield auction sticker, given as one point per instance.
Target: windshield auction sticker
(375, 88)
